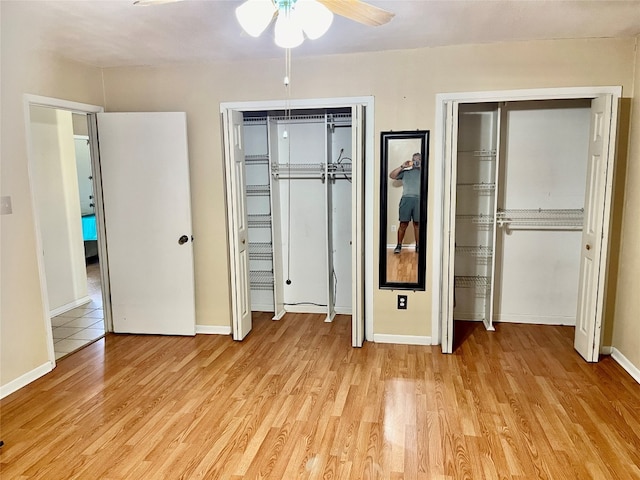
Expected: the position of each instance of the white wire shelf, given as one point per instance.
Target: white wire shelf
(261, 279)
(552, 219)
(476, 281)
(477, 154)
(260, 251)
(475, 251)
(477, 219)
(257, 190)
(479, 187)
(259, 221)
(254, 120)
(262, 159)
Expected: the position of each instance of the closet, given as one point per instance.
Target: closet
(520, 185)
(298, 203)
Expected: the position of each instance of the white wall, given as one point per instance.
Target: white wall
(545, 160)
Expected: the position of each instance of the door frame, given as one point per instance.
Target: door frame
(440, 242)
(81, 108)
(368, 168)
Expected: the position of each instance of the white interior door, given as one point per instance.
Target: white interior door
(147, 210)
(595, 231)
(449, 225)
(357, 226)
(237, 224)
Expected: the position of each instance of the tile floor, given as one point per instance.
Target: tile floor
(79, 327)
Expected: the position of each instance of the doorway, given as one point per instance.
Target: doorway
(62, 185)
(458, 112)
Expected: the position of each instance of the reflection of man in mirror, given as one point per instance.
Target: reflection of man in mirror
(409, 173)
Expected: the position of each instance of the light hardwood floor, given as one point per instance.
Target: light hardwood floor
(294, 400)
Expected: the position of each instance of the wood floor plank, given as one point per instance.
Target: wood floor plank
(295, 401)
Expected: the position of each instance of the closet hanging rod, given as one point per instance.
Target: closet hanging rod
(311, 171)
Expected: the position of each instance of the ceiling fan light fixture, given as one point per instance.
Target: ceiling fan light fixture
(288, 33)
(314, 18)
(255, 16)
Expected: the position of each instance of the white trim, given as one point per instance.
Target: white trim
(305, 308)
(625, 363)
(369, 161)
(262, 307)
(343, 310)
(439, 159)
(58, 103)
(606, 350)
(534, 319)
(69, 306)
(402, 339)
(61, 104)
(213, 330)
(25, 379)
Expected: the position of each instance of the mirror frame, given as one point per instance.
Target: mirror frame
(386, 138)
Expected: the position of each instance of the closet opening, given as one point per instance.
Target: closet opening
(295, 203)
(298, 189)
(526, 213)
(71, 269)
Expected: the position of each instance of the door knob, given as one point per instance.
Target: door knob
(588, 247)
(183, 239)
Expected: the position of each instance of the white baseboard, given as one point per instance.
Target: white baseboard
(401, 339)
(262, 307)
(69, 306)
(606, 350)
(305, 308)
(535, 319)
(213, 330)
(344, 311)
(626, 364)
(25, 379)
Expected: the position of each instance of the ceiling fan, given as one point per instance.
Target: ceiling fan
(293, 17)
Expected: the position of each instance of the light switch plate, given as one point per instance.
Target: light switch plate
(5, 206)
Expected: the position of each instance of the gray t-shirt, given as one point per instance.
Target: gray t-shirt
(410, 182)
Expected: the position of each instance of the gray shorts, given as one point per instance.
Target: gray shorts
(410, 209)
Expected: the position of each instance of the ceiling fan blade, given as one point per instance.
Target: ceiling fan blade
(359, 11)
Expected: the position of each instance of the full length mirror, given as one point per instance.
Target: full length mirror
(403, 209)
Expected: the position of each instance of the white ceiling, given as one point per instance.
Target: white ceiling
(109, 33)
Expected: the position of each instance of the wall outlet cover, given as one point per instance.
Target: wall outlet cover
(402, 302)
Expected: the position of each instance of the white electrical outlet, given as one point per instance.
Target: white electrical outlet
(394, 228)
